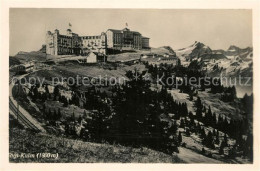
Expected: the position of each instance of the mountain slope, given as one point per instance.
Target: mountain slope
(238, 62)
(232, 62)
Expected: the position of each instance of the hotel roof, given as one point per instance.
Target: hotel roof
(121, 31)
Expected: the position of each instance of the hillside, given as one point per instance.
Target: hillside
(124, 56)
(72, 70)
(239, 61)
(77, 151)
(136, 55)
(60, 109)
(13, 61)
(30, 56)
(230, 110)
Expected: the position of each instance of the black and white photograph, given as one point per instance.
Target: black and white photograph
(129, 85)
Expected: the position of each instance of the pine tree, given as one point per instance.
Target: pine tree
(214, 132)
(202, 85)
(191, 96)
(203, 150)
(220, 123)
(182, 124)
(225, 142)
(202, 133)
(199, 109)
(233, 92)
(44, 108)
(209, 140)
(221, 148)
(79, 119)
(49, 116)
(55, 116)
(73, 117)
(208, 116)
(191, 115)
(65, 104)
(46, 89)
(186, 109)
(217, 138)
(59, 114)
(180, 137)
(187, 132)
(214, 120)
(56, 92)
(84, 114)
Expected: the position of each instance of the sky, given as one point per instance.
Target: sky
(177, 28)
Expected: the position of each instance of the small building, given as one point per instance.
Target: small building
(148, 55)
(166, 55)
(145, 42)
(94, 57)
(91, 58)
(23, 68)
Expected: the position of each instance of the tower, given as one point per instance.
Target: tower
(55, 41)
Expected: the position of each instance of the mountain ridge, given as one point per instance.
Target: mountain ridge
(234, 61)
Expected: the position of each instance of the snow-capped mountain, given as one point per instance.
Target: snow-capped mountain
(232, 62)
(196, 51)
(238, 62)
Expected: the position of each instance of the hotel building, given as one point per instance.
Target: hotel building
(73, 44)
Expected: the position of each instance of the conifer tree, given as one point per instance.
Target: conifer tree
(182, 124)
(56, 92)
(65, 104)
(190, 96)
(59, 114)
(221, 148)
(55, 116)
(202, 133)
(199, 109)
(225, 142)
(46, 89)
(49, 116)
(180, 137)
(217, 138)
(187, 132)
(44, 108)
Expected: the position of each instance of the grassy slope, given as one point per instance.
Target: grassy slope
(231, 110)
(77, 151)
(94, 71)
(194, 142)
(41, 56)
(190, 156)
(73, 70)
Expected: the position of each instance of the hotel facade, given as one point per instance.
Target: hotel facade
(73, 44)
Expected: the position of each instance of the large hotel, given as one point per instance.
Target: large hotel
(73, 44)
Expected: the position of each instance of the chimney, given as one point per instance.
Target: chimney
(69, 32)
(57, 31)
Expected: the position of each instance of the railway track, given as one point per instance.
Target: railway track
(19, 115)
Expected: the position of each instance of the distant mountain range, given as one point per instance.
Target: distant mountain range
(231, 62)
